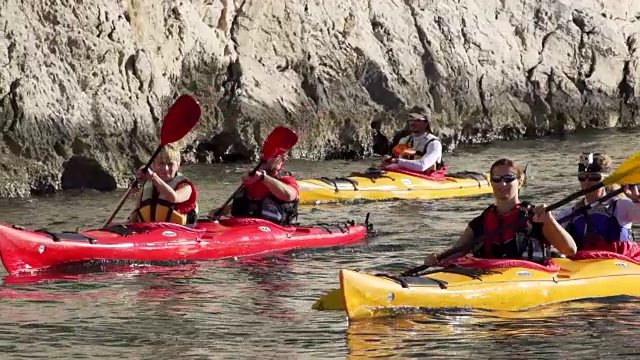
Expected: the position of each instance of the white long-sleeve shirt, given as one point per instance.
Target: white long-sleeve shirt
(432, 152)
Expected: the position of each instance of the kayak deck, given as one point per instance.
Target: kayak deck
(24, 250)
(494, 288)
(391, 185)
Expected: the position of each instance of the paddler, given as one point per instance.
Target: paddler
(380, 141)
(426, 154)
(167, 195)
(606, 226)
(528, 240)
(270, 194)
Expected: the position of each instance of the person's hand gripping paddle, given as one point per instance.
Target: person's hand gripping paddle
(279, 142)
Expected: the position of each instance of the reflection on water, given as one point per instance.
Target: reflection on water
(261, 307)
(577, 330)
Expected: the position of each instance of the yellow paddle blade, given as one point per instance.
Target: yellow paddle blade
(627, 173)
(333, 300)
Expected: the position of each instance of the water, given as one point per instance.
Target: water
(261, 307)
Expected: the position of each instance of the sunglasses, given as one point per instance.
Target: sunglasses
(417, 120)
(596, 177)
(507, 178)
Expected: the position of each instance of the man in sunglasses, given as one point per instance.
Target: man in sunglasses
(270, 194)
(606, 226)
(428, 148)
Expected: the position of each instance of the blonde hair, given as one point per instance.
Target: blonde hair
(169, 153)
(603, 161)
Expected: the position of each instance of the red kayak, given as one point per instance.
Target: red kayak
(25, 250)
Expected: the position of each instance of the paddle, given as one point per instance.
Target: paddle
(445, 256)
(627, 173)
(279, 142)
(181, 117)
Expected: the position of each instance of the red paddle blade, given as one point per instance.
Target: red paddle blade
(280, 141)
(180, 119)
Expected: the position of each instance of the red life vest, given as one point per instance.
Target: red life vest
(268, 208)
(517, 242)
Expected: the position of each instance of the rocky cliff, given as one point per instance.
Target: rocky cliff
(84, 85)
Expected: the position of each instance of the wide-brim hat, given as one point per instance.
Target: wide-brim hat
(422, 115)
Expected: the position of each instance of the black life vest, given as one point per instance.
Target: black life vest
(270, 208)
(515, 243)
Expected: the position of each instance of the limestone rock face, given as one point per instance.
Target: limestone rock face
(84, 85)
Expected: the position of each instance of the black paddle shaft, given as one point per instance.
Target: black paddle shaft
(576, 195)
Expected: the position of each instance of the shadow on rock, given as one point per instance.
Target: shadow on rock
(81, 172)
(222, 147)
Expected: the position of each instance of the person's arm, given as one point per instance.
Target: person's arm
(627, 211)
(434, 152)
(180, 195)
(554, 233)
(280, 189)
(459, 249)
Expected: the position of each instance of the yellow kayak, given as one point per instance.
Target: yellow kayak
(496, 285)
(387, 185)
